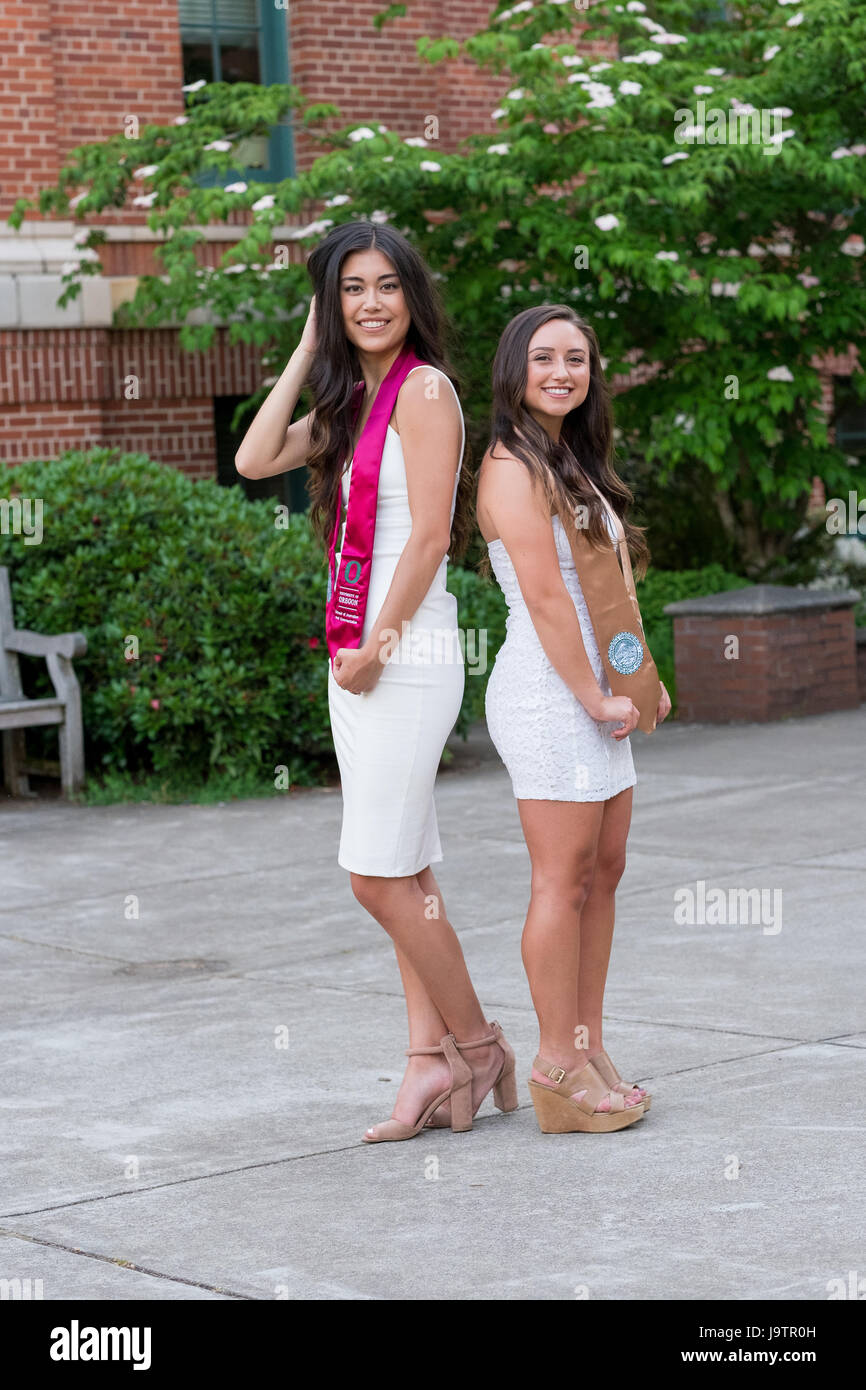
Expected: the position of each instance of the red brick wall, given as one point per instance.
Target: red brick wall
(788, 664)
(65, 388)
(376, 76)
(71, 73)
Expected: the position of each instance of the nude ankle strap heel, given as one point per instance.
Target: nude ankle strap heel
(505, 1085)
(459, 1093)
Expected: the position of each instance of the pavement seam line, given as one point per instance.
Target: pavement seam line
(124, 1264)
(195, 1177)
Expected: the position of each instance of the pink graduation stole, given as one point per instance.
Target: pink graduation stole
(348, 587)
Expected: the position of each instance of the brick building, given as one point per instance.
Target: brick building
(78, 73)
(73, 75)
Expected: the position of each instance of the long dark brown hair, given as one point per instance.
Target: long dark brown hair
(585, 443)
(335, 368)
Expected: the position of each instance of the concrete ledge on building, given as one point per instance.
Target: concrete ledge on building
(766, 652)
(30, 301)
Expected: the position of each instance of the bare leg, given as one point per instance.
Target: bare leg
(562, 838)
(597, 921)
(597, 918)
(484, 1062)
(439, 993)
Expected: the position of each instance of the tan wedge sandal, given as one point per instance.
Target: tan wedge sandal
(608, 1072)
(504, 1087)
(459, 1093)
(557, 1113)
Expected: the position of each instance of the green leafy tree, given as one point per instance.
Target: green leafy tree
(716, 249)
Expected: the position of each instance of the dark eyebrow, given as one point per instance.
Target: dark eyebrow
(550, 349)
(388, 275)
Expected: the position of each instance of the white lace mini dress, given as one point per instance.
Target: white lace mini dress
(553, 749)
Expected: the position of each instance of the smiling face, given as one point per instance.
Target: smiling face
(558, 373)
(375, 315)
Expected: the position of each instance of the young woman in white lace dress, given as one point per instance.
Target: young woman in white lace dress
(561, 734)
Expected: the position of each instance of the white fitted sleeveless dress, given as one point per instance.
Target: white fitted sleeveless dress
(553, 749)
(389, 740)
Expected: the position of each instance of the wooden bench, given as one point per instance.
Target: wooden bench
(18, 713)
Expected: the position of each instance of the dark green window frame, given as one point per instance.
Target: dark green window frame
(271, 27)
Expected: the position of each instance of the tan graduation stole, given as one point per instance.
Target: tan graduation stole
(610, 596)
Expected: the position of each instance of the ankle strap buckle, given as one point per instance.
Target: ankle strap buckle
(557, 1074)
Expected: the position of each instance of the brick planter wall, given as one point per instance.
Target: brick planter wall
(796, 654)
(861, 661)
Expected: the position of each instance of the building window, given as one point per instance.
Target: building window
(849, 417)
(241, 41)
(707, 13)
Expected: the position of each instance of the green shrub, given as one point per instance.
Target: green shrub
(227, 609)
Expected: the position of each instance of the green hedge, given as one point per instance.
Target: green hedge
(231, 671)
(227, 608)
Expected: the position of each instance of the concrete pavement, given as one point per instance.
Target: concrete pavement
(199, 1022)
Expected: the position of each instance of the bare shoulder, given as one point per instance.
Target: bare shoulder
(500, 469)
(426, 400)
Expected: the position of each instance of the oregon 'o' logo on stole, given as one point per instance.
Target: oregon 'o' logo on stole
(625, 653)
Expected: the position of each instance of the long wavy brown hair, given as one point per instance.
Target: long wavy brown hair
(585, 443)
(336, 368)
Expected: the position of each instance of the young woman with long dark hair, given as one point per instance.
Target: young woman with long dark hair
(560, 732)
(392, 699)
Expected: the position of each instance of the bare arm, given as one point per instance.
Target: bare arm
(517, 509)
(271, 444)
(430, 433)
